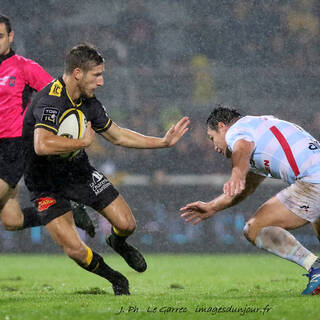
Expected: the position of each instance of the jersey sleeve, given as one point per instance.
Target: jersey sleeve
(35, 76)
(46, 116)
(99, 117)
(236, 133)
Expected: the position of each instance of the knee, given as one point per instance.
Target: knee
(250, 231)
(126, 226)
(10, 224)
(10, 227)
(78, 252)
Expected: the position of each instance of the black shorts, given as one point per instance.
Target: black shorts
(11, 160)
(97, 193)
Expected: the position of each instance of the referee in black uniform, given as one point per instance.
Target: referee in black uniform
(53, 180)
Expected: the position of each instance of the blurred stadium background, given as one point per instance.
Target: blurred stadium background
(171, 58)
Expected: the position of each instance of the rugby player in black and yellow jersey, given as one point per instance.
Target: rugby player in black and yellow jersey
(53, 181)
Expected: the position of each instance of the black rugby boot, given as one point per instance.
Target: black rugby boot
(82, 219)
(129, 253)
(120, 284)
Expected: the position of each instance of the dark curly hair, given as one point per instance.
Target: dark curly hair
(220, 113)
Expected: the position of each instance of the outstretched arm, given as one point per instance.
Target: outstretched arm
(240, 184)
(198, 211)
(131, 139)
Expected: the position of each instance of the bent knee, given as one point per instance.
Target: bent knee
(251, 230)
(10, 224)
(11, 227)
(126, 226)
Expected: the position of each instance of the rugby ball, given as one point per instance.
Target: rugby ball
(72, 125)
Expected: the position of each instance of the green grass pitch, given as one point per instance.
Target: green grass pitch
(174, 287)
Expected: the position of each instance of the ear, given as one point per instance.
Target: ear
(221, 125)
(11, 36)
(77, 73)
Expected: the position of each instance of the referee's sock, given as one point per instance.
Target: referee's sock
(95, 264)
(31, 218)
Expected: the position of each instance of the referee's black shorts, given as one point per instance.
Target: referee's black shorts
(11, 160)
(96, 192)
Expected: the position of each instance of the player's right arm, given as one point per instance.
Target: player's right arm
(132, 139)
(197, 211)
(48, 143)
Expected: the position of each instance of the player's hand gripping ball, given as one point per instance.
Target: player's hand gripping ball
(72, 125)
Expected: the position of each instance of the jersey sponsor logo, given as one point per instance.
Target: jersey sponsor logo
(97, 176)
(305, 208)
(45, 203)
(56, 89)
(50, 115)
(314, 145)
(4, 80)
(99, 182)
(12, 81)
(267, 165)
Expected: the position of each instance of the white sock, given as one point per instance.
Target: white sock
(283, 244)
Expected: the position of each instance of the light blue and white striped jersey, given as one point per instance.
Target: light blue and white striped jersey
(282, 150)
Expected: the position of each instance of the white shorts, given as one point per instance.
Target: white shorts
(303, 199)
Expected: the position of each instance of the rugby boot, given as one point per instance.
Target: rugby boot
(120, 285)
(129, 253)
(313, 287)
(82, 219)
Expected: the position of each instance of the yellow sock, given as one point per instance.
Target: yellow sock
(120, 233)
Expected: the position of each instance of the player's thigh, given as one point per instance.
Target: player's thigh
(63, 230)
(273, 213)
(97, 192)
(119, 214)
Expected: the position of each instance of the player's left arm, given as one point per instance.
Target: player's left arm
(241, 155)
(132, 139)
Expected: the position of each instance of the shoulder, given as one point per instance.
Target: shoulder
(247, 123)
(51, 94)
(240, 124)
(96, 106)
(24, 61)
(55, 90)
(21, 58)
(16, 62)
(33, 71)
(93, 101)
(98, 115)
(242, 129)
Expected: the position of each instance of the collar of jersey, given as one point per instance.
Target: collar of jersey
(10, 54)
(73, 103)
